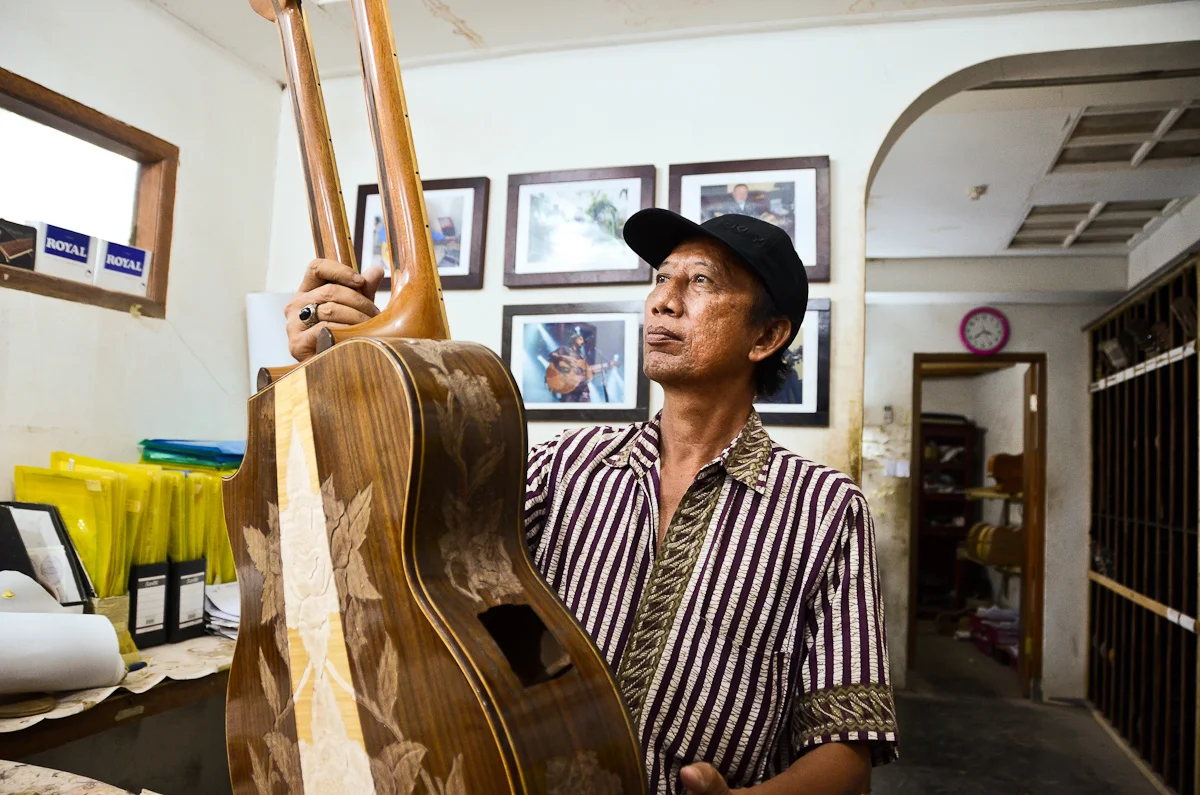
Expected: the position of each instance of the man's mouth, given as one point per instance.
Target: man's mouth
(660, 334)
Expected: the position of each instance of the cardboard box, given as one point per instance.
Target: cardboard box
(65, 254)
(124, 269)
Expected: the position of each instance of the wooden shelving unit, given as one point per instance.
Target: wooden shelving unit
(938, 536)
(1145, 566)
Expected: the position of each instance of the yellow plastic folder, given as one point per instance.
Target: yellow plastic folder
(92, 505)
(204, 515)
(145, 521)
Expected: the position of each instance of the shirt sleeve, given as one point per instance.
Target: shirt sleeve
(538, 491)
(845, 691)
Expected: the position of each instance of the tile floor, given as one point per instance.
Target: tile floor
(964, 730)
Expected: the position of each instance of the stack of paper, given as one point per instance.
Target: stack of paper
(222, 609)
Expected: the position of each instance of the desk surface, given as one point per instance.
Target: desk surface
(21, 778)
(117, 709)
(176, 675)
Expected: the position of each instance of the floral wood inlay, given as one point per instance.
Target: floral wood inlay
(581, 775)
(315, 582)
(399, 765)
(477, 564)
(277, 760)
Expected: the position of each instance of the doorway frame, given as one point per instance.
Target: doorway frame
(1033, 572)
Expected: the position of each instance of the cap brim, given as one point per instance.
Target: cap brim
(654, 233)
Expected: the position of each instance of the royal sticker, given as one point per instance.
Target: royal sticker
(65, 243)
(126, 260)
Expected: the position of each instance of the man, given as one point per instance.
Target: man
(738, 202)
(571, 360)
(732, 585)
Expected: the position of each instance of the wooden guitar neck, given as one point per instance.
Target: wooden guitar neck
(326, 208)
(416, 309)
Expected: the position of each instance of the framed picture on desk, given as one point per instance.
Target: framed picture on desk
(457, 214)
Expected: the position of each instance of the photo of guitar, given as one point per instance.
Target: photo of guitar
(570, 371)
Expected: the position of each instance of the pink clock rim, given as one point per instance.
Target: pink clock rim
(983, 310)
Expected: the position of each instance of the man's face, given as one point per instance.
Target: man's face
(740, 193)
(696, 329)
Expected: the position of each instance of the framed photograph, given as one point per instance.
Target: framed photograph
(565, 227)
(792, 193)
(457, 212)
(578, 361)
(804, 397)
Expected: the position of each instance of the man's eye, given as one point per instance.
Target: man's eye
(660, 279)
(702, 278)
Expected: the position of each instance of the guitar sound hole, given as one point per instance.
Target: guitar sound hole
(532, 651)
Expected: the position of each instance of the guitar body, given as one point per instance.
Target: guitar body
(395, 637)
(568, 371)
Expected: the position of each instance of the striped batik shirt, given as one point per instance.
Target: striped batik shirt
(754, 632)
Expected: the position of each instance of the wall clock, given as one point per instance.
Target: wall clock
(984, 331)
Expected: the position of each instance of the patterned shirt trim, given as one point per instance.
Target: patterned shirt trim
(860, 711)
(668, 581)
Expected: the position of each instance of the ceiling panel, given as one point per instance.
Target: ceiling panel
(1075, 170)
(438, 30)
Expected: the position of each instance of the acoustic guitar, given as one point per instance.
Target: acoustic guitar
(567, 371)
(395, 636)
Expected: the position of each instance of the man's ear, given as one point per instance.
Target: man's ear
(773, 337)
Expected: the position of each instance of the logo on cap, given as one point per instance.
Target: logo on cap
(754, 236)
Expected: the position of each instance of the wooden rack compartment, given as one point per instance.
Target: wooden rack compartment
(1145, 560)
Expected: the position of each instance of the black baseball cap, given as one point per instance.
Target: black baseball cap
(762, 247)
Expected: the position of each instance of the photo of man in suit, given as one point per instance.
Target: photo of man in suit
(739, 203)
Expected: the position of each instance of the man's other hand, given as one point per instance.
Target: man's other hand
(702, 778)
(343, 298)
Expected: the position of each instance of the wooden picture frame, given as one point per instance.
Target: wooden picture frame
(792, 197)
(796, 405)
(533, 257)
(471, 224)
(606, 347)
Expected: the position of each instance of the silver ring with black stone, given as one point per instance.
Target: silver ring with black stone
(308, 315)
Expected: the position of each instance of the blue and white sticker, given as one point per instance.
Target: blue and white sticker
(67, 244)
(125, 260)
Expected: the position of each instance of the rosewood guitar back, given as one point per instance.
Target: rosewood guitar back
(395, 637)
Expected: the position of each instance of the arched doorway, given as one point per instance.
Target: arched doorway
(991, 190)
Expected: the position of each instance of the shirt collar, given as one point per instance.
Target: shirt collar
(745, 459)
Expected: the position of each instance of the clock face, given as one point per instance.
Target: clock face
(984, 330)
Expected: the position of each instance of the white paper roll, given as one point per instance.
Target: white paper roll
(48, 652)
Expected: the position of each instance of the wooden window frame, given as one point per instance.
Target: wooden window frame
(154, 204)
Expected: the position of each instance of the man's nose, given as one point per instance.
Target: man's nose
(665, 300)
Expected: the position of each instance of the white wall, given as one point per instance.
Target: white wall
(894, 334)
(834, 91)
(97, 381)
(1029, 277)
(1178, 234)
(948, 396)
(999, 404)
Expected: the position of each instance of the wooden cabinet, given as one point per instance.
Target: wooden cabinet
(1145, 561)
